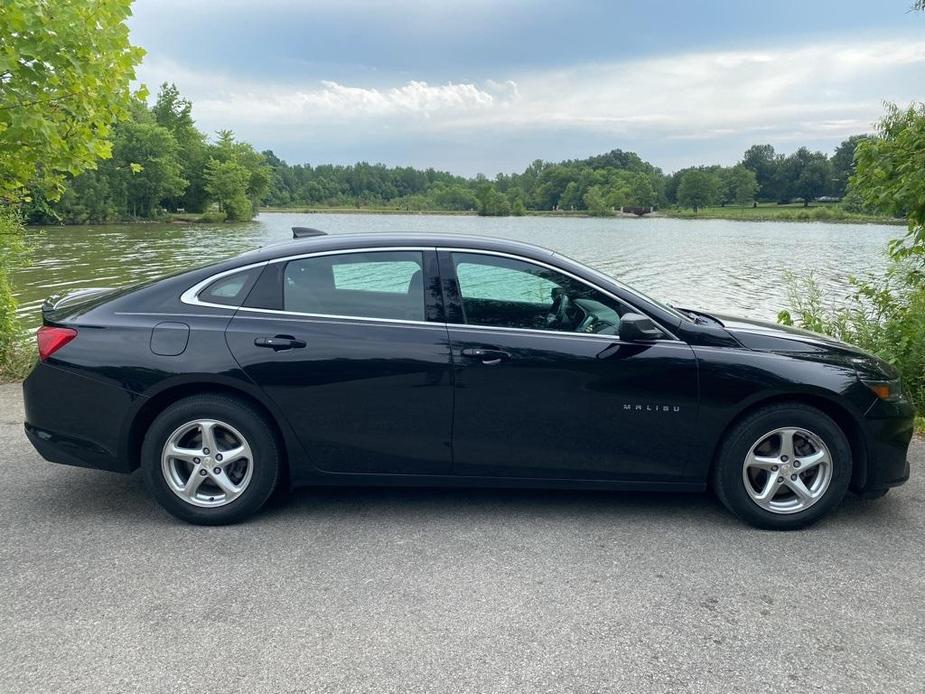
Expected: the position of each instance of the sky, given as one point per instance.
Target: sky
(487, 86)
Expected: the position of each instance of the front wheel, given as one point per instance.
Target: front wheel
(210, 460)
(783, 467)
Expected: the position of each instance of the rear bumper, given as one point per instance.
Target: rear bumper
(76, 420)
(890, 427)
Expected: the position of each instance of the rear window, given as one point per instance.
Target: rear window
(383, 284)
(230, 290)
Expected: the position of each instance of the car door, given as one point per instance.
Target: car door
(352, 347)
(541, 396)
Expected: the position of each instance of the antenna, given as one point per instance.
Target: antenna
(306, 232)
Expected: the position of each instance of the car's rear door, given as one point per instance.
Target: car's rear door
(549, 402)
(352, 347)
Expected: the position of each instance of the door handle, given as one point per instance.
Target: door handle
(279, 342)
(489, 357)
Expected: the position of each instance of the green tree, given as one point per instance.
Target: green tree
(453, 197)
(764, 162)
(813, 180)
(156, 173)
(257, 176)
(65, 70)
(698, 188)
(173, 112)
(226, 183)
(843, 164)
(491, 202)
(571, 198)
(740, 185)
(596, 202)
(642, 192)
(890, 175)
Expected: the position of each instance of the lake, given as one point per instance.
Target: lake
(716, 265)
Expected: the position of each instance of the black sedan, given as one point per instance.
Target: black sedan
(408, 359)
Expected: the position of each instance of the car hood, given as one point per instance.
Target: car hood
(764, 336)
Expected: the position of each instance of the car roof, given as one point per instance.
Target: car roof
(329, 242)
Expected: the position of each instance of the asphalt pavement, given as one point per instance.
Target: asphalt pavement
(393, 590)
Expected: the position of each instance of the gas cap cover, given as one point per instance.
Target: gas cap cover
(169, 339)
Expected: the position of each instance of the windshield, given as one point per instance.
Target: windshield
(664, 307)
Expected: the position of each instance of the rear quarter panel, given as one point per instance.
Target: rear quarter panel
(99, 386)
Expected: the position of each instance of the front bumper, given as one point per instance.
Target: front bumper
(889, 428)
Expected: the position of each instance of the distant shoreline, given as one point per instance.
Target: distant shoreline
(819, 214)
(737, 214)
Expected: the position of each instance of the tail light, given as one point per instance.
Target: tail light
(51, 339)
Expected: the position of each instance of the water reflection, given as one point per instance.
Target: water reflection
(715, 265)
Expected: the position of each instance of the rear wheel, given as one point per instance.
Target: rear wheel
(210, 459)
(783, 467)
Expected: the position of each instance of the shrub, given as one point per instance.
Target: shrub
(211, 217)
(239, 209)
(15, 355)
(885, 317)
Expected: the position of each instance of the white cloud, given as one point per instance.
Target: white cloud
(816, 90)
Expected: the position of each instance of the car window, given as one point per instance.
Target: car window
(393, 276)
(230, 290)
(379, 284)
(478, 280)
(508, 293)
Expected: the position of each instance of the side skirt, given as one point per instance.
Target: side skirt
(360, 480)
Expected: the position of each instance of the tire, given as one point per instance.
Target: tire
(217, 485)
(759, 482)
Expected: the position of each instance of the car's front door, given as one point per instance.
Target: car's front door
(545, 388)
(352, 348)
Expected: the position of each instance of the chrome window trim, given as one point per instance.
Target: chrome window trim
(191, 295)
(336, 319)
(558, 333)
(329, 316)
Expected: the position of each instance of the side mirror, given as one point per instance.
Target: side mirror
(637, 328)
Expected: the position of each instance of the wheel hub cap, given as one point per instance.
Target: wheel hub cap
(787, 470)
(207, 463)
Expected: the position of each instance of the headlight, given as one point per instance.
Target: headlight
(889, 391)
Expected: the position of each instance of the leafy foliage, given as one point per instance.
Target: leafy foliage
(803, 174)
(65, 69)
(179, 169)
(698, 188)
(161, 162)
(621, 178)
(885, 317)
(14, 357)
(891, 175)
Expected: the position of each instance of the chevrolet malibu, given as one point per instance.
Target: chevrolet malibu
(406, 359)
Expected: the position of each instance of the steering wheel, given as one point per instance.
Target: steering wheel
(558, 312)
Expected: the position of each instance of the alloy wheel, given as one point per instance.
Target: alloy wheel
(207, 463)
(787, 470)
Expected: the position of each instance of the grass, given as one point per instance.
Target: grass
(17, 361)
(769, 212)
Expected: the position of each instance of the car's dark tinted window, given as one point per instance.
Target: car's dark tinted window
(507, 293)
(230, 290)
(377, 284)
